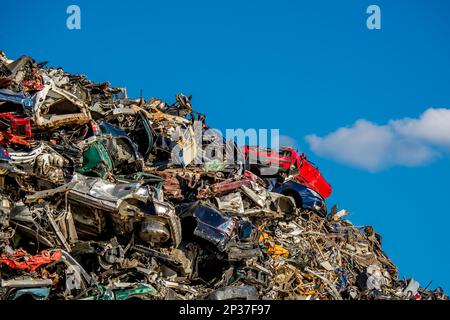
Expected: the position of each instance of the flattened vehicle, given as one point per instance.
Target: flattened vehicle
(106, 197)
(288, 161)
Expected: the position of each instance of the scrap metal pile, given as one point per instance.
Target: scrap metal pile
(102, 199)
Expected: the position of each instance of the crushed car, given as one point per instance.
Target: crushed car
(104, 197)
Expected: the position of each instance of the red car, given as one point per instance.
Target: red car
(287, 159)
(14, 130)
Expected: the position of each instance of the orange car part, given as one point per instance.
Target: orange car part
(273, 249)
(21, 260)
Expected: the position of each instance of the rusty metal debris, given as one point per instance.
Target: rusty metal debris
(102, 199)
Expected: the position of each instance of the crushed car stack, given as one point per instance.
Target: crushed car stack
(102, 198)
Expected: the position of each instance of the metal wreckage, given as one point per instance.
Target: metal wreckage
(93, 207)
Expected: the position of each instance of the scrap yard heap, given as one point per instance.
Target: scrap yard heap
(102, 198)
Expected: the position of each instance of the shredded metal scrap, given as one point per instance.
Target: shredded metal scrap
(94, 207)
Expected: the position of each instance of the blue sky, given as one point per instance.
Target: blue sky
(308, 68)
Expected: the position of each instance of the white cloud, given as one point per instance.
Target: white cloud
(373, 147)
(433, 127)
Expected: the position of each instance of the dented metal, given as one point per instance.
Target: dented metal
(105, 197)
